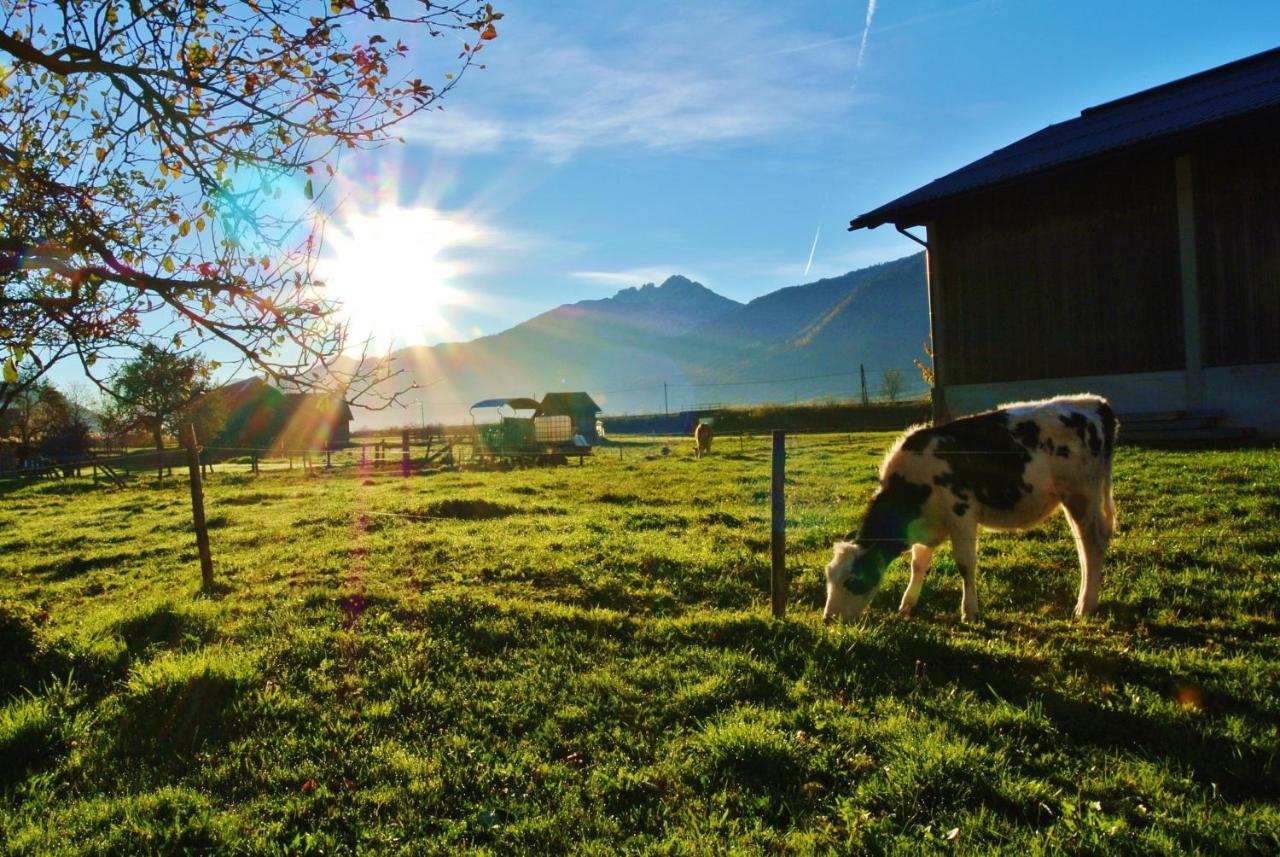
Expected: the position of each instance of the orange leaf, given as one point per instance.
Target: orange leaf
(489, 33)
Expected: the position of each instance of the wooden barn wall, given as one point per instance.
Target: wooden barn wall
(1237, 205)
(1072, 275)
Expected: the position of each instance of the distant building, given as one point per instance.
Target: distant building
(1133, 251)
(579, 407)
(260, 416)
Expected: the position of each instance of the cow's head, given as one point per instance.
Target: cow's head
(853, 575)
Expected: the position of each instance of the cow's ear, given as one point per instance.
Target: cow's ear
(841, 549)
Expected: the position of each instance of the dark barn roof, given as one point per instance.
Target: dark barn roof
(567, 404)
(518, 403)
(1229, 91)
(260, 416)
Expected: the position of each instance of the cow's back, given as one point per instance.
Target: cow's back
(1011, 467)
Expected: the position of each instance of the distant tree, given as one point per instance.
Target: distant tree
(208, 414)
(68, 434)
(34, 407)
(155, 390)
(143, 148)
(891, 384)
(926, 370)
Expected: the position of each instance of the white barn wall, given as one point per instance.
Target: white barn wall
(1250, 395)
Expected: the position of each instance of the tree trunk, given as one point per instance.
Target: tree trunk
(159, 433)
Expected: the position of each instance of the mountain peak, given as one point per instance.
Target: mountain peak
(679, 281)
(675, 286)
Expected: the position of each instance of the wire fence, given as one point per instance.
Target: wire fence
(389, 457)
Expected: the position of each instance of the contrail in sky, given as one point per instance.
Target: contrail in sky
(866, 31)
(816, 233)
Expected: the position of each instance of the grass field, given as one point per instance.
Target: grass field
(581, 659)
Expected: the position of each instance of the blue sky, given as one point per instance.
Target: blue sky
(607, 144)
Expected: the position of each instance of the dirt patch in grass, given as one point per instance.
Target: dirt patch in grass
(618, 499)
(469, 510)
(253, 498)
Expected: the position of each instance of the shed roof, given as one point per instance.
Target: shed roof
(567, 403)
(518, 403)
(330, 405)
(1209, 97)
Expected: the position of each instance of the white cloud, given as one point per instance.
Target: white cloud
(456, 130)
(633, 276)
(680, 77)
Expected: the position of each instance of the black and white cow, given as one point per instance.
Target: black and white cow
(1006, 469)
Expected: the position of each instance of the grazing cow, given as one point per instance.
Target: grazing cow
(1006, 469)
(702, 435)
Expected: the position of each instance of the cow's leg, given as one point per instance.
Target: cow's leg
(1092, 532)
(921, 555)
(964, 546)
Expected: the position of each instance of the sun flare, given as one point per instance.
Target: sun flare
(391, 271)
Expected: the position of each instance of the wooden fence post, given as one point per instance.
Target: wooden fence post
(404, 453)
(253, 460)
(328, 458)
(197, 509)
(778, 536)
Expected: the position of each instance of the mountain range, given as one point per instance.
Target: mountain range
(798, 343)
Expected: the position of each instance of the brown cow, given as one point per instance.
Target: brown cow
(702, 435)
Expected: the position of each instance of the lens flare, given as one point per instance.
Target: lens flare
(390, 272)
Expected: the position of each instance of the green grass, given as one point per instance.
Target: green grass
(581, 659)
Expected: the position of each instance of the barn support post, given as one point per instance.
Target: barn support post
(197, 509)
(1189, 275)
(778, 522)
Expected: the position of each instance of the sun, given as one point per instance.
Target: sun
(391, 273)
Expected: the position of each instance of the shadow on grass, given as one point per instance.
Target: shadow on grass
(1238, 769)
(167, 626)
(899, 659)
(65, 568)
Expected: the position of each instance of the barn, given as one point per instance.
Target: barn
(259, 416)
(1132, 251)
(579, 407)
